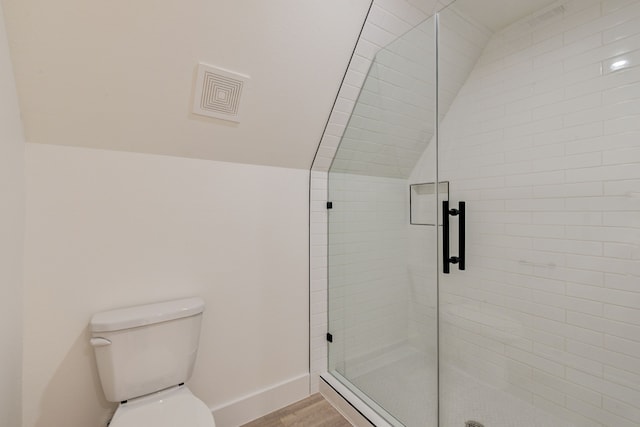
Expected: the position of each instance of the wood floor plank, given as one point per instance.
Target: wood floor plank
(314, 411)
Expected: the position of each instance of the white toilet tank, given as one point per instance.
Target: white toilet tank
(147, 348)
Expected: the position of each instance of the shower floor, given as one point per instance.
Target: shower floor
(406, 388)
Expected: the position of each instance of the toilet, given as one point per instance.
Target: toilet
(145, 354)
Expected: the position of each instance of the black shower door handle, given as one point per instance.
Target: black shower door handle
(446, 258)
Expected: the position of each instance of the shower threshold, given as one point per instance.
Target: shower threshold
(365, 406)
(465, 399)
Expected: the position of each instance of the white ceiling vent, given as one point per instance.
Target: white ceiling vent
(218, 93)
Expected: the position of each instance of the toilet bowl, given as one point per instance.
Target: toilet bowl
(174, 407)
(145, 354)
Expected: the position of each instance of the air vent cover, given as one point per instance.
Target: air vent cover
(218, 93)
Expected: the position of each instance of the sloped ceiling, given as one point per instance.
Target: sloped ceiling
(393, 121)
(119, 74)
(497, 14)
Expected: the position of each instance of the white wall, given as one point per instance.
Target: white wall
(11, 239)
(543, 144)
(107, 229)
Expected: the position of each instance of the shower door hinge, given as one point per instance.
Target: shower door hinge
(329, 337)
(329, 205)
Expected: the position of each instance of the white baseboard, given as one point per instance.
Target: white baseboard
(261, 402)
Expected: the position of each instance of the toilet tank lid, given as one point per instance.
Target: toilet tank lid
(141, 315)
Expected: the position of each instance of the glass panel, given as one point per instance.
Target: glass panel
(382, 270)
(542, 140)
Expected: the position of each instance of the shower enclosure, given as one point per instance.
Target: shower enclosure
(484, 222)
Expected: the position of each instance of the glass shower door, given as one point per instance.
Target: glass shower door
(382, 268)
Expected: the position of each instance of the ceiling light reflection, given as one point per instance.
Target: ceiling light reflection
(618, 65)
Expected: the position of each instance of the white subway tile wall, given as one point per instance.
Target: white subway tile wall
(543, 143)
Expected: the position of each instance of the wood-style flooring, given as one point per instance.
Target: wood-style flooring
(314, 411)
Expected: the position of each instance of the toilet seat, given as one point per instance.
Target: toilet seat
(175, 407)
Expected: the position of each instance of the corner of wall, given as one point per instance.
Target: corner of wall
(12, 192)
